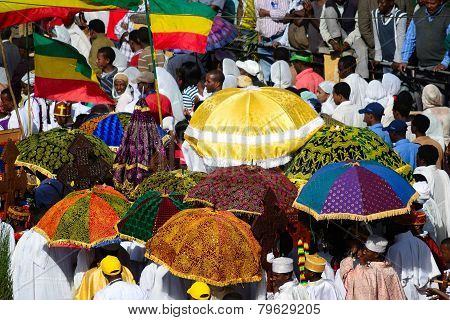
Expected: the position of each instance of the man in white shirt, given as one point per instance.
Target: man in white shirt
(117, 289)
(346, 112)
(285, 285)
(317, 287)
(347, 73)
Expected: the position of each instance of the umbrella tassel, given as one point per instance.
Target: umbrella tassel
(303, 251)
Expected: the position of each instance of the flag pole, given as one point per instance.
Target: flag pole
(30, 120)
(19, 120)
(150, 36)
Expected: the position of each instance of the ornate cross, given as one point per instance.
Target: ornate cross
(13, 182)
(86, 169)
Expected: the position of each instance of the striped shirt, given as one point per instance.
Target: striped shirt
(271, 26)
(106, 81)
(189, 94)
(145, 60)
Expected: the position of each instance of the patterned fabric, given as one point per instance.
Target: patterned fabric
(243, 188)
(84, 219)
(221, 34)
(47, 151)
(108, 127)
(333, 144)
(209, 246)
(302, 251)
(141, 151)
(148, 214)
(362, 191)
(168, 182)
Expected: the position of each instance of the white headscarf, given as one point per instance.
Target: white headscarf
(125, 101)
(128, 90)
(62, 34)
(169, 87)
(229, 82)
(231, 72)
(328, 106)
(327, 86)
(121, 61)
(376, 93)
(428, 174)
(280, 73)
(391, 84)
(32, 77)
(431, 97)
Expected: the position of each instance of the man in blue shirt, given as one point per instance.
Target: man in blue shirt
(372, 117)
(406, 149)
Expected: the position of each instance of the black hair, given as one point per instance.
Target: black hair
(134, 36)
(6, 33)
(180, 128)
(100, 109)
(97, 25)
(429, 154)
(421, 123)
(347, 63)
(108, 53)
(7, 93)
(189, 73)
(293, 90)
(143, 35)
(419, 178)
(446, 243)
(343, 89)
(403, 103)
(281, 54)
(217, 75)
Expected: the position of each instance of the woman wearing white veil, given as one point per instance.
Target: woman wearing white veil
(391, 84)
(169, 87)
(280, 73)
(438, 114)
(231, 73)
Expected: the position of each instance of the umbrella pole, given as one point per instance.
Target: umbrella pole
(11, 89)
(150, 36)
(30, 129)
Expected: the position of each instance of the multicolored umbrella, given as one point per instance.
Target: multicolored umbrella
(84, 218)
(148, 214)
(261, 126)
(108, 127)
(47, 152)
(362, 191)
(178, 181)
(242, 189)
(206, 245)
(333, 144)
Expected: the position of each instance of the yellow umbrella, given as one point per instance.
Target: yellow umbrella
(259, 126)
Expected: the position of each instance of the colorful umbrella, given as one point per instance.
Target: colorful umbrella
(205, 245)
(242, 189)
(47, 152)
(362, 191)
(333, 144)
(148, 214)
(84, 218)
(260, 126)
(177, 181)
(108, 127)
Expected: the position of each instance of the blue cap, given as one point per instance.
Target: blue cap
(396, 126)
(374, 108)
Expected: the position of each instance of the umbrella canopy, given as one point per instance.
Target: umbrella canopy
(333, 144)
(362, 191)
(177, 181)
(84, 218)
(48, 151)
(206, 245)
(148, 214)
(259, 126)
(243, 188)
(108, 127)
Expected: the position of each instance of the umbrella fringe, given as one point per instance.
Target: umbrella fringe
(355, 217)
(129, 238)
(35, 167)
(202, 279)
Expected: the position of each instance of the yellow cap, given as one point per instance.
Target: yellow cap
(315, 263)
(111, 266)
(199, 291)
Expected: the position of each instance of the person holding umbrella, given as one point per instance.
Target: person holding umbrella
(285, 286)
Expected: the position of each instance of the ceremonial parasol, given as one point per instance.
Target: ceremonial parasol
(178, 181)
(209, 246)
(258, 126)
(84, 218)
(148, 214)
(48, 151)
(333, 144)
(242, 189)
(108, 127)
(362, 191)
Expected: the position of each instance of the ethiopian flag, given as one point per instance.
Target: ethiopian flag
(62, 73)
(177, 24)
(14, 12)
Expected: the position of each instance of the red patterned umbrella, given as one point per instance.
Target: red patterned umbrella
(242, 189)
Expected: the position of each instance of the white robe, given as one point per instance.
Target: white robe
(79, 40)
(290, 291)
(40, 272)
(414, 264)
(435, 219)
(159, 284)
(36, 104)
(358, 89)
(193, 161)
(328, 107)
(120, 290)
(84, 261)
(7, 231)
(347, 113)
(323, 289)
(391, 84)
(169, 87)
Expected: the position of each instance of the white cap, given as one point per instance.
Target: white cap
(423, 190)
(376, 243)
(327, 86)
(282, 265)
(25, 78)
(249, 66)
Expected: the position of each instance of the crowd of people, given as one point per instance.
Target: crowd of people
(406, 258)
